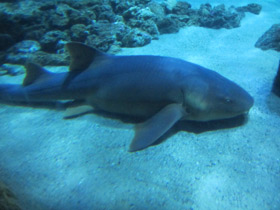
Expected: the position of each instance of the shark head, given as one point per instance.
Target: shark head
(215, 97)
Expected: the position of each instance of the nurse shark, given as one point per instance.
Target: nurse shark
(161, 89)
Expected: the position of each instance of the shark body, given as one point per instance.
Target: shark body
(162, 89)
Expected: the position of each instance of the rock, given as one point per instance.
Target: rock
(79, 5)
(6, 41)
(105, 34)
(253, 8)
(145, 14)
(70, 13)
(218, 17)
(119, 6)
(115, 49)
(181, 8)
(104, 12)
(157, 9)
(136, 13)
(80, 17)
(181, 20)
(39, 57)
(169, 5)
(15, 22)
(151, 28)
(50, 40)
(29, 51)
(79, 33)
(194, 18)
(11, 69)
(20, 58)
(136, 38)
(101, 43)
(142, 2)
(59, 22)
(167, 25)
(143, 19)
(64, 16)
(35, 33)
(270, 39)
(205, 10)
(26, 46)
(49, 59)
(105, 24)
(131, 13)
(47, 6)
(110, 16)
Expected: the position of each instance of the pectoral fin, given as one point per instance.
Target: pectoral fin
(77, 111)
(148, 132)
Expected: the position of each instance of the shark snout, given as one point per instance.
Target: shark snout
(247, 101)
(250, 102)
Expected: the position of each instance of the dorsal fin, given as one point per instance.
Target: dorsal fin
(33, 73)
(81, 55)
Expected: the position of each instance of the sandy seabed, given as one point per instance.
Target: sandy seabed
(51, 163)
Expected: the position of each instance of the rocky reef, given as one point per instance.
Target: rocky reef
(37, 30)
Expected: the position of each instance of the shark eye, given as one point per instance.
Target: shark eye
(228, 100)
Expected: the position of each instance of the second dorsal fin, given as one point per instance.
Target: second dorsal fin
(81, 55)
(33, 73)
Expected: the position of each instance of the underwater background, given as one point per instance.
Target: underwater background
(84, 163)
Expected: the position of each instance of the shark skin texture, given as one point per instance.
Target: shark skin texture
(164, 90)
